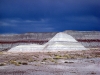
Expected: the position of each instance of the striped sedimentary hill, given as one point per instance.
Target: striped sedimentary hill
(89, 39)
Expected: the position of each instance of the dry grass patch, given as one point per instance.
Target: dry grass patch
(2, 64)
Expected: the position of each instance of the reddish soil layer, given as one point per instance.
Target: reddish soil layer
(44, 41)
(25, 41)
(88, 40)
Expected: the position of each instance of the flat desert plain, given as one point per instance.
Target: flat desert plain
(51, 63)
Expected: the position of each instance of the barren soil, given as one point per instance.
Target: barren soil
(51, 63)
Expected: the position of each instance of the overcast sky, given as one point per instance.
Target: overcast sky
(20, 16)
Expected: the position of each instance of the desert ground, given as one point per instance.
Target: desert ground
(51, 63)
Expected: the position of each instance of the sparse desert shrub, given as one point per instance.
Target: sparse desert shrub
(44, 59)
(43, 62)
(67, 56)
(30, 60)
(68, 62)
(25, 58)
(93, 73)
(52, 60)
(87, 57)
(58, 57)
(24, 63)
(19, 62)
(14, 62)
(1, 53)
(49, 53)
(2, 64)
(6, 57)
(36, 56)
(34, 60)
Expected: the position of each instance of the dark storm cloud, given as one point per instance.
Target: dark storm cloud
(48, 8)
(49, 15)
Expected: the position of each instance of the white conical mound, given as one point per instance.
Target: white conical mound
(62, 37)
(63, 41)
